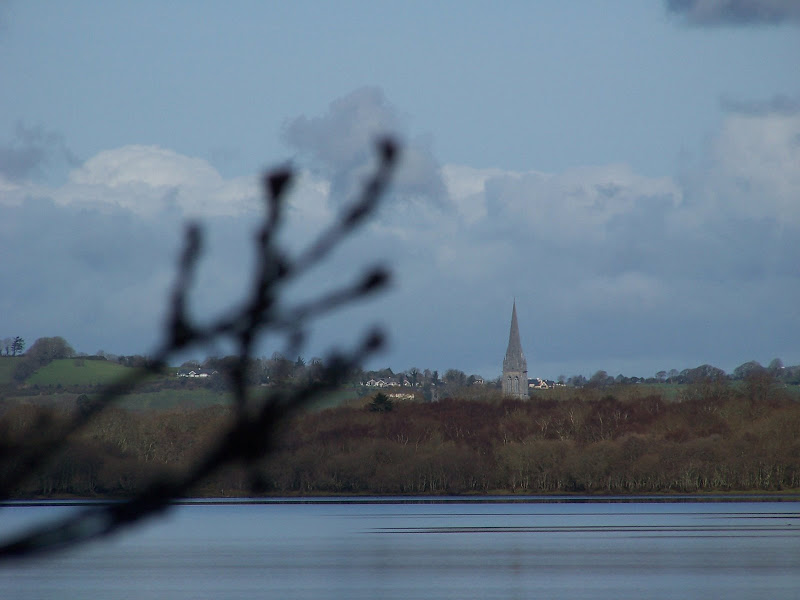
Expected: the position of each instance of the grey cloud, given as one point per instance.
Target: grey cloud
(31, 150)
(341, 143)
(100, 277)
(95, 278)
(609, 190)
(340, 140)
(419, 175)
(736, 12)
(780, 104)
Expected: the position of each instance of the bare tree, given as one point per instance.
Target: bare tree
(251, 434)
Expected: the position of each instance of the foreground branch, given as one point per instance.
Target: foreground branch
(251, 435)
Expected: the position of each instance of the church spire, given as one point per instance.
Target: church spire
(515, 367)
(515, 357)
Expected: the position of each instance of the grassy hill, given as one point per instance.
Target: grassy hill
(78, 371)
(72, 373)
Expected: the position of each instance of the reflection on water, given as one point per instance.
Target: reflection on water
(431, 549)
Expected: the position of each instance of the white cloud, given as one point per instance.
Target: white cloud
(149, 165)
(149, 179)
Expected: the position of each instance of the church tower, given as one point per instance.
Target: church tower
(515, 367)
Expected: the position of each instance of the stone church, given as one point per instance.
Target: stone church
(515, 367)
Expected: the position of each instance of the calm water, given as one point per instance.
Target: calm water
(452, 549)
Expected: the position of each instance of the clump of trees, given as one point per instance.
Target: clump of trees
(43, 351)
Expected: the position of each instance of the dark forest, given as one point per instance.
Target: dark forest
(714, 437)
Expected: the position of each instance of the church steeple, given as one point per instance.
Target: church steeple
(515, 367)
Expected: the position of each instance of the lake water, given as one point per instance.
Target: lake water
(439, 548)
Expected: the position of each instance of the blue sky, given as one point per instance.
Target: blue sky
(628, 171)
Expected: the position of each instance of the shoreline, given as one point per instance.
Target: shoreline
(498, 498)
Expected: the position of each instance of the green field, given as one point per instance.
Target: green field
(343, 397)
(172, 398)
(78, 371)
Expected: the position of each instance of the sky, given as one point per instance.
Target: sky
(627, 172)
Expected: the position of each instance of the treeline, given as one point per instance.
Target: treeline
(715, 438)
(775, 369)
(280, 370)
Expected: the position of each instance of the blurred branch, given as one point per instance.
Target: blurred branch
(252, 433)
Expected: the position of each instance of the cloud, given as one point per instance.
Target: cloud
(31, 151)
(100, 275)
(611, 269)
(754, 170)
(341, 146)
(736, 12)
(145, 180)
(97, 278)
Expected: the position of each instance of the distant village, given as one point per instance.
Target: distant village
(407, 385)
(514, 382)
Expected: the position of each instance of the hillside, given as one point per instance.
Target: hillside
(77, 372)
(60, 382)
